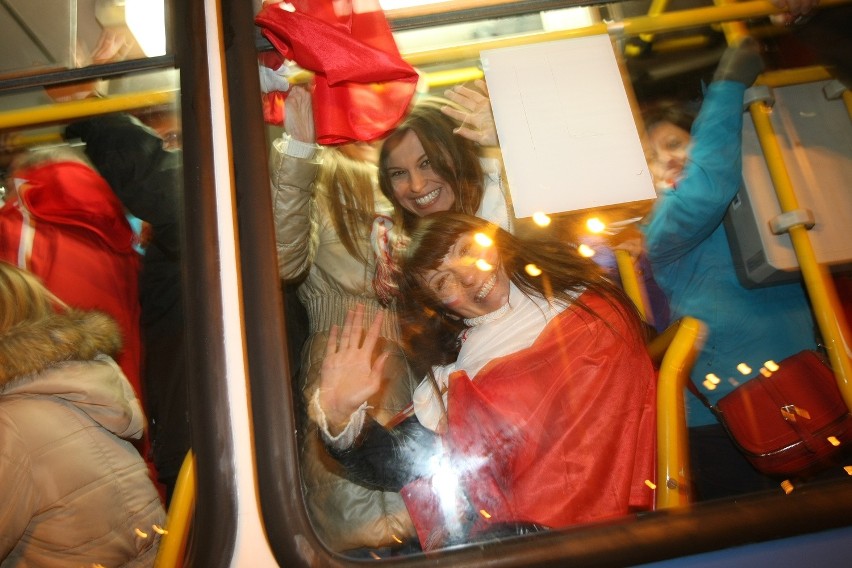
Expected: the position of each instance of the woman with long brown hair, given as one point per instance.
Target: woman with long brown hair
(540, 404)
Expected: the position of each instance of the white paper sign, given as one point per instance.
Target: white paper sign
(566, 129)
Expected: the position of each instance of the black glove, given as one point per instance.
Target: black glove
(741, 63)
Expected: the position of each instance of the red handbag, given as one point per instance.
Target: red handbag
(793, 422)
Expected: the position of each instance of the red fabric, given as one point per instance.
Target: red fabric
(563, 432)
(362, 87)
(82, 248)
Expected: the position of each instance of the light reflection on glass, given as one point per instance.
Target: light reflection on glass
(541, 219)
(771, 365)
(484, 265)
(595, 225)
(532, 270)
(744, 369)
(483, 240)
(586, 250)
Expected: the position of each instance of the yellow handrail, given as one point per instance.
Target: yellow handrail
(673, 352)
(65, 111)
(657, 7)
(821, 289)
(662, 22)
(179, 521)
(637, 25)
(630, 281)
(673, 471)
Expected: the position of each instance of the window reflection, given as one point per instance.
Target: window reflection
(655, 70)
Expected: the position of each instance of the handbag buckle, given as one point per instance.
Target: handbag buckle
(790, 411)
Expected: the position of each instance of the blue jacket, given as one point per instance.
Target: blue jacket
(691, 259)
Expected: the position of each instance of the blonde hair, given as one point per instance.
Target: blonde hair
(347, 185)
(23, 297)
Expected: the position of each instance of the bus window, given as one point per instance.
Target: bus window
(675, 63)
(244, 327)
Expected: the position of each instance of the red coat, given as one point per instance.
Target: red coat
(69, 228)
(560, 433)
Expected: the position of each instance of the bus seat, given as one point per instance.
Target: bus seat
(179, 519)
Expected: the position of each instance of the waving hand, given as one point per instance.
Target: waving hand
(347, 376)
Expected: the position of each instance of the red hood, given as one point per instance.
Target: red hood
(73, 194)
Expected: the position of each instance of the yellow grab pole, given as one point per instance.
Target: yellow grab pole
(673, 472)
(734, 31)
(666, 21)
(796, 76)
(65, 111)
(821, 290)
(179, 520)
(630, 281)
(656, 8)
(449, 77)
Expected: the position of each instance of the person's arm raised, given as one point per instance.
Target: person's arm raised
(476, 118)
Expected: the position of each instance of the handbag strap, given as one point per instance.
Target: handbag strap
(700, 395)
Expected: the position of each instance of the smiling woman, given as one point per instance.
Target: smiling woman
(251, 505)
(427, 165)
(469, 281)
(530, 358)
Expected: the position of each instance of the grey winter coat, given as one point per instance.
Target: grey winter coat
(75, 491)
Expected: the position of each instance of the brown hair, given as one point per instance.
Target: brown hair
(434, 331)
(453, 157)
(667, 110)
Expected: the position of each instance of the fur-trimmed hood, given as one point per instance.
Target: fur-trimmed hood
(66, 356)
(70, 336)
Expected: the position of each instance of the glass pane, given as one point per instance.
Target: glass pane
(476, 484)
(92, 175)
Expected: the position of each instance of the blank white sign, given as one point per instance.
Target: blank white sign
(566, 129)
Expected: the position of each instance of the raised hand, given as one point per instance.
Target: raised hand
(347, 378)
(477, 120)
(299, 115)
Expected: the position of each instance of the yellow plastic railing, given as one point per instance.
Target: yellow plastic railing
(821, 290)
(630, 281)
(179, 519)
(648, 24)
(680, 345)
(673, 352)
(65, 111)
(820, 286)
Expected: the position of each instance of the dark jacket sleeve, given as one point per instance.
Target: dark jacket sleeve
(146, 177)
(390, 459)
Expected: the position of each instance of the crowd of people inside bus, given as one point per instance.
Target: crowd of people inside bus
(422, 175)
(460, 379)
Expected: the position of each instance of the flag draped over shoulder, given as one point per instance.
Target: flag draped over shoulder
(362, 86)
